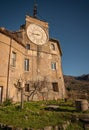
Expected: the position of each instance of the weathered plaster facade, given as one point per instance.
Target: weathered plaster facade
(38, 67)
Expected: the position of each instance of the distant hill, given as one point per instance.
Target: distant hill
(79, 86)
(83, 77)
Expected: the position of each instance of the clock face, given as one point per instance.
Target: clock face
(36, 34)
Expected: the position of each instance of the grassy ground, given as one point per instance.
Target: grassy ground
(34, 115)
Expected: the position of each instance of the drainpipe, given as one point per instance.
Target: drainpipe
(8, 69)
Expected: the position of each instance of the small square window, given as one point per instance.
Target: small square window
(55, 86)
(28, 46)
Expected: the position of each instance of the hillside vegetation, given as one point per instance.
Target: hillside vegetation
(77, 87)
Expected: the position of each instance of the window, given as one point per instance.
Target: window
(13, 59)
(53, 65)
(27, 88)
(55, 86)
(52, 46)
(28, 46)
(1, 90)
(26, 64)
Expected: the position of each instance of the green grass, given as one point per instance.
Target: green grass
(35, 116)
(75, 126)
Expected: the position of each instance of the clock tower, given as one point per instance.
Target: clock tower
(37, 30)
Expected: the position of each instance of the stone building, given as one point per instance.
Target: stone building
(30, 61)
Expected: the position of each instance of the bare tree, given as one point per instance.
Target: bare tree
(39, 87)
(20, 86)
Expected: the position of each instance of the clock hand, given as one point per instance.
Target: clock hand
(36, 34)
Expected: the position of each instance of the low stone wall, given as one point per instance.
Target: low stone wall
(81, 105)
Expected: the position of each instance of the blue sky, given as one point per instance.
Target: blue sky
(68, 22)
